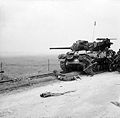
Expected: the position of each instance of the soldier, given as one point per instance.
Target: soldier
(118, 58)
(115, 60)
(118, 53)
(88, 67)
(66, 77)
(110, 60)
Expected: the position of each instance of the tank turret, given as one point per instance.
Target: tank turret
(77, 46)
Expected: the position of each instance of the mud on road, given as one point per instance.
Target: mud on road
(10, 84)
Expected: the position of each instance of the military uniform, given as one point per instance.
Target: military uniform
(88, 68)
(66, 77)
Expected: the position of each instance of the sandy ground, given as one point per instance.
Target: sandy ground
(92, 99)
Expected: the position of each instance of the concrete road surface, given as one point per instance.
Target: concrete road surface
(91, 98)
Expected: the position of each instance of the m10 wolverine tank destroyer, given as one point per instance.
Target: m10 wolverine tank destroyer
(88, 57)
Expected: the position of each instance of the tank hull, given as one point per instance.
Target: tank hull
(89, 62)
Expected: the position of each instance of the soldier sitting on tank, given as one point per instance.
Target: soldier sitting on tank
(111, 55)
(118, 53)
(93, 45)
(118, 58)
(115, 60)
(104, 59)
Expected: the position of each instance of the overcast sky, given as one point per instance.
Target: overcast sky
(31, 27)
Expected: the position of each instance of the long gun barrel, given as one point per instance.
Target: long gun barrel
(61, 48)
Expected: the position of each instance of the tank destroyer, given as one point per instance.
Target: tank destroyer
(88, 57)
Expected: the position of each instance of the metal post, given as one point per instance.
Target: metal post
(1, 70)
(48, 64)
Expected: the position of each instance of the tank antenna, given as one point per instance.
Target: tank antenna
(93, 31)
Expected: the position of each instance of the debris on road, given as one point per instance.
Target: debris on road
(49, 94)
(116, 103)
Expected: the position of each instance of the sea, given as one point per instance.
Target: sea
(25, 66)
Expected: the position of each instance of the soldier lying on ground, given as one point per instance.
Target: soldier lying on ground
(49, 94)
(66, 77)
